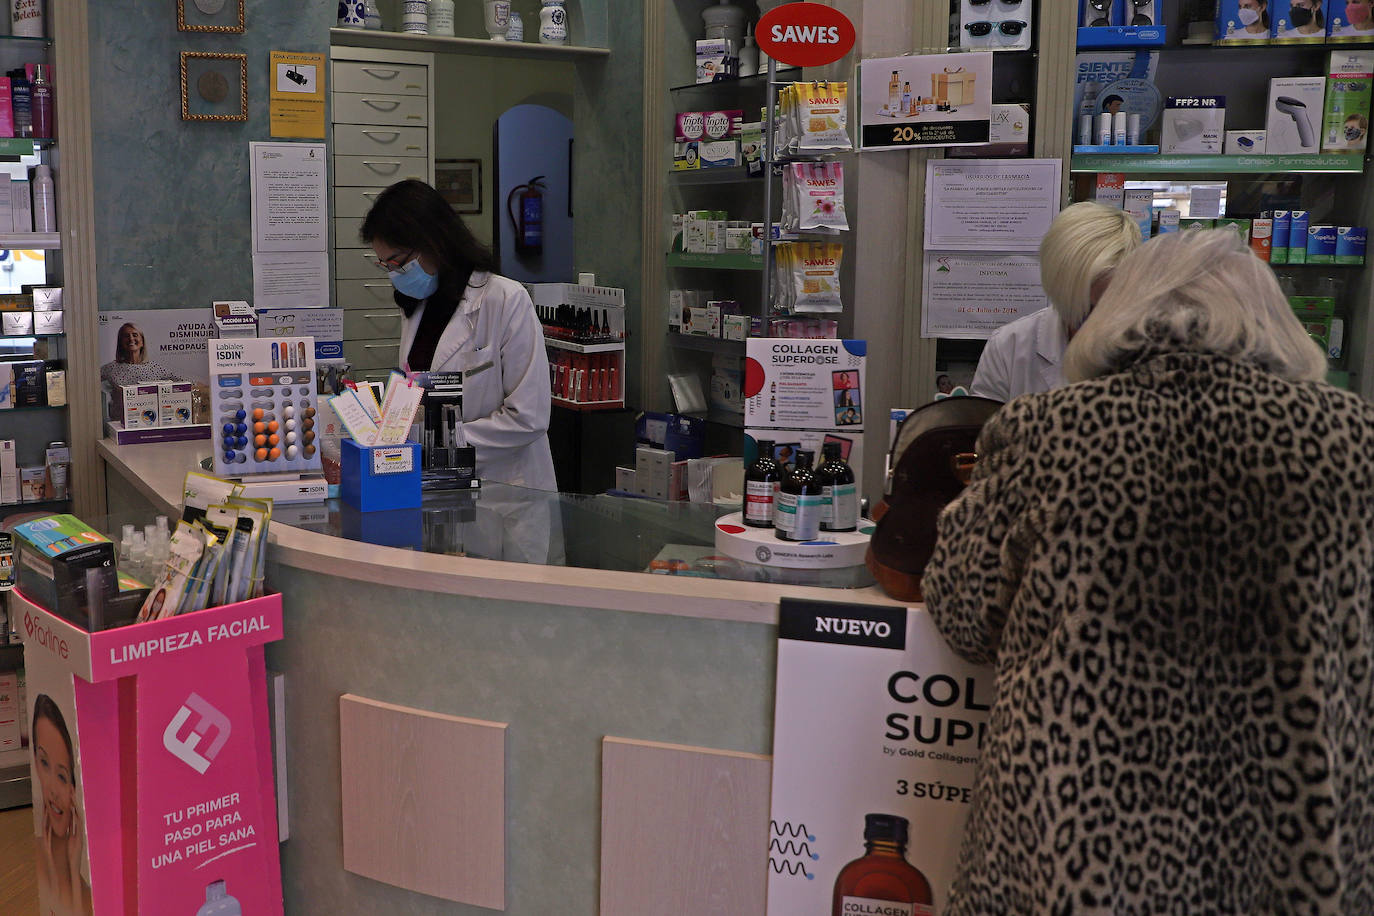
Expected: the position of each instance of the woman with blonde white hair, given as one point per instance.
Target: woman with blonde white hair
(1077, 255)
(1168, 561)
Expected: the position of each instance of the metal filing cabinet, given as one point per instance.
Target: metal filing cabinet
(382, 113)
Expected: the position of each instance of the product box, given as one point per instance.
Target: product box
(6, 386)
(689, 125)
(719, 154)
(1297, 236)
(1351, 243)
(1294, 114)
(752, 147)
(1008, 134)
(9, 472)
(713, 60)
(1244, 142)
(48, 323)
(1111, 188)
(174, 403)
(738, 239)
(56, 380)
(713, 313)
(686, 156)
(6, 109)
(1321, 245)
(698, 321)
(1242, 226)
(1335, 341)
(30, 384)
(46, 298)
(21, 205)
(234, 320)
(1193, 124)
(676, 306)
(1140, 203)
(677, 240)
(1315, 313)
(141, 406)
(16, 302)
(1241, 26)
(10, 712)
(57, 461)
(624, 479)
(695, 226)
(653, 471)
(682, 435)
(16, 324)
(1345, 116)
(1341, 27)
(31, 484)
(1278, 252)
(60, 558)
(734, 327)
(727, 382)
(1262, 237)
(324, 325)
(1168, 220)
(1297, 23)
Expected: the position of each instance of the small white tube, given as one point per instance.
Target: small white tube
(1133, 130)
(1119, 128)
(1104, 129)
(1085, 130)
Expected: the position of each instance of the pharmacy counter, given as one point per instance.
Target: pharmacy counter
(389, 650)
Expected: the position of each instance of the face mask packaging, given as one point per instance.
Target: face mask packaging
(1299, 21)
(813, 197)
(1241, 22)
(1193, 124)
(1349, 20)
(1345, 116)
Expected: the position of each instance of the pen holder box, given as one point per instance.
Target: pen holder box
(380, 477)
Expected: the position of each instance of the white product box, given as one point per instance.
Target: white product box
(697, 321)
(715, 236)
(174, 403)
(57, 387)
(47, 298)
(1294, 115)
(1193, 124)
(17, 324)
(6, 204)
(21, 206)
(718, 154)
(48, 323)
(234, 319)
(694, 228)
(1168, 220)
(734, 327)
(677, 242)
(6, 386)
(141, 409)
(625, 479)
(9, 472)
(653, 471)
(713, 59)
(1245, 142)
(713, 313)
(10, 712)
(677, 299)
(738, 240)
(1140, 203)
(31, 489)
(1111, 188)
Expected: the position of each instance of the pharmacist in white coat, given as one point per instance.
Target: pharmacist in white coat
(460, 316)
(1077, 255)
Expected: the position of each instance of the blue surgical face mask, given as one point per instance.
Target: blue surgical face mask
(414, 281)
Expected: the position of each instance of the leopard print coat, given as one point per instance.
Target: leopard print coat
(1170, 568)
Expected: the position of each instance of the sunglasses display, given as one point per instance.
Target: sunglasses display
(1006, 27)
(1001, 25)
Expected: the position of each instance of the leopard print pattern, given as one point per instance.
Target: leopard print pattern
(1170, 568)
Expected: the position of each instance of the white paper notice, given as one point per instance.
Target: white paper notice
(1205, 202)
(876, 722)
(990, 204)
(291, 279)
(290, 197)
(968, 295)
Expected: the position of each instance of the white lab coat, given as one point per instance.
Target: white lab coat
(1021, 357)
(495, 340)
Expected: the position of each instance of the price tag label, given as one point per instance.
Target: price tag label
(399, 460)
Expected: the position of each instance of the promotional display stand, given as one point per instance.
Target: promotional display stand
(153, 741)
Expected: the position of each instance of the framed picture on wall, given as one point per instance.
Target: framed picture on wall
(460, 182)
(214, 86)
(210, 15)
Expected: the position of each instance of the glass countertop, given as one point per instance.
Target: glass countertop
(519, 525)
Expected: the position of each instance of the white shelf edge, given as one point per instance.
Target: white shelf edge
(583, 348)
(375, 38)
(50, 241)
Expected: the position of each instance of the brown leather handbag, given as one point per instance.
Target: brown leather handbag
(931, 460)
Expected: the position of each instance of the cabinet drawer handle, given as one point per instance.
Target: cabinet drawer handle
(370, 194)
(379, 346)
(393, 134)
(376, 285)
(392, 317)
(415, 86)
(378, 103)
(382, 74)
(415, 147)
(374, 166)
(415, 117)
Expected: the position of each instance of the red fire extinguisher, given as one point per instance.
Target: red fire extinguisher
(528, 215)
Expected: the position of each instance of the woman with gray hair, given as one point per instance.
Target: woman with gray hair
(1170, 563)
(1077, 254)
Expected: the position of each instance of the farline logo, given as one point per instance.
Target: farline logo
(188, 749)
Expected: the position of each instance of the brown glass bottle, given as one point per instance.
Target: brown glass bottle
(761, 480)
(840, 496)
(797, 511)
(882, 882)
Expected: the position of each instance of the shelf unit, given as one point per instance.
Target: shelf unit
(1327, 163)
(404, 41)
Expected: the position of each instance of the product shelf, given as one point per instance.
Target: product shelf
(405, 41)
(10, 410)
(16, 147)
(583, 348)
(1330, 163)
(25, 241)
(715, 261)
(705, 344)
(735, 174)
(616, 404)
(736, 83)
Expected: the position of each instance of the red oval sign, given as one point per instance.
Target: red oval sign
(805, 34)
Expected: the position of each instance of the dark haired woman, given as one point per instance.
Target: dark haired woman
(460, 316)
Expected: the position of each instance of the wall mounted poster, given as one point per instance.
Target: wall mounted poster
(925, 100)
(877, 729)
(804, 384)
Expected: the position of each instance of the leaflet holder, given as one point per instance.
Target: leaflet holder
(166, 727)
(373, 479)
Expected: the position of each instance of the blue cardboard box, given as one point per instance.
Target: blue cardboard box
(381, 477)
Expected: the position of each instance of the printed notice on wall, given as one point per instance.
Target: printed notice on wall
(990, 204)
(290, 197)
(967, 295)
(296, 95)
(876, 738)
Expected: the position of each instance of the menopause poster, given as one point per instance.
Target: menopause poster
(877, 729)
(173, 340)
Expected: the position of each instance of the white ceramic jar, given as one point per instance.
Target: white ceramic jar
(496, 18)
(516, 30)
(441, 17)
(553, 23)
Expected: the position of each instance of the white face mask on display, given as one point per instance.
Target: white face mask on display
(1248, 16)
